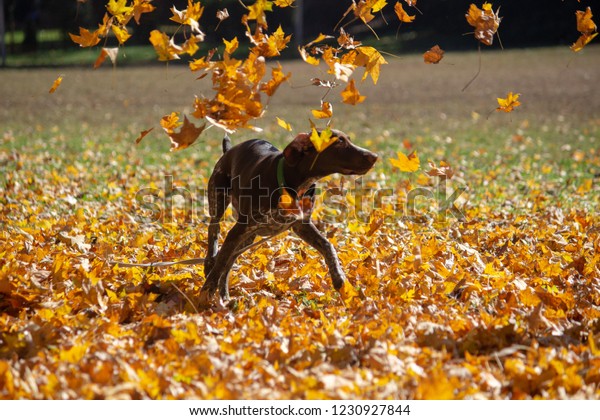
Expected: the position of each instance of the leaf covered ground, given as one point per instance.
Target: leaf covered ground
(499, 298)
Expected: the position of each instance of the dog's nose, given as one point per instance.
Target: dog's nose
(372, 158)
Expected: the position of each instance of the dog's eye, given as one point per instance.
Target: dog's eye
(339, 140)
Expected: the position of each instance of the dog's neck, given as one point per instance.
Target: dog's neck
(293, 179)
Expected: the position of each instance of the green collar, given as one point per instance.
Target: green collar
(280, 177)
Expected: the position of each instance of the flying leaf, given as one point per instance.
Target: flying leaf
(140, 7)
(410, 163)
(257, 11)
(222, 15)
(277, 78)
(231, 46)
(434, 55)
(587, 28)
(284, 3)
(186, 136)
(444, 171)
(509, 103)
(585, 24)
(170, 122)
(307, 57)
(401, 13)
(120, 33)
(371, 59)
(283, 124)
(322, 141)
(164, 46)
(351, 95)
(111, 53)
(485, 22)
(55, 84)
(582, 41)
(326, 111)
(85, 38)
(143, 134)
(120, 10)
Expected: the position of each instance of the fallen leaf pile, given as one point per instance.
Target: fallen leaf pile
(501, 302)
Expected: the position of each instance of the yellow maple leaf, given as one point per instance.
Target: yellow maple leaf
(164, 46)
(410, 163)
(120, 33)
(257, 11)
(351, 95)
(283, 124)
(323, 140)
(231, 46)
(120, 10)
(85, 38)
(371, 60)
(509, 103)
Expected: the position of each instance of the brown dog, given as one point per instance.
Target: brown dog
(253, 176)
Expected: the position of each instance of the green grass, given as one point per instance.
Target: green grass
(546, 148)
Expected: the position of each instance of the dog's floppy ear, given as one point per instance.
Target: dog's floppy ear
(294, 151)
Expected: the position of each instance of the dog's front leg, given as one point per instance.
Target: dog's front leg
(217, 277)
(311, 235)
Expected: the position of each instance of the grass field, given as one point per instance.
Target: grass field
(501, 302)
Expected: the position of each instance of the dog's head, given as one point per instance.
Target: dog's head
(342, 156)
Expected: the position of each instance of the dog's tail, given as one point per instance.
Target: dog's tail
(226, 143)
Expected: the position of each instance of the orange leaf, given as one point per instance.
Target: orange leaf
(351, 95)
(85, 38)
(401, 13)
(140, 7)
(143, 134)
(585, 24)
(55, 84)
(107, 52)
(170, 122)
(485, 22)
(187, 135)
(582, 41)
(277, 78)
(434, 55)
(164, 46)
(326, 111)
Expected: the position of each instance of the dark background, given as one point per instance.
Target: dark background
(526, 23)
